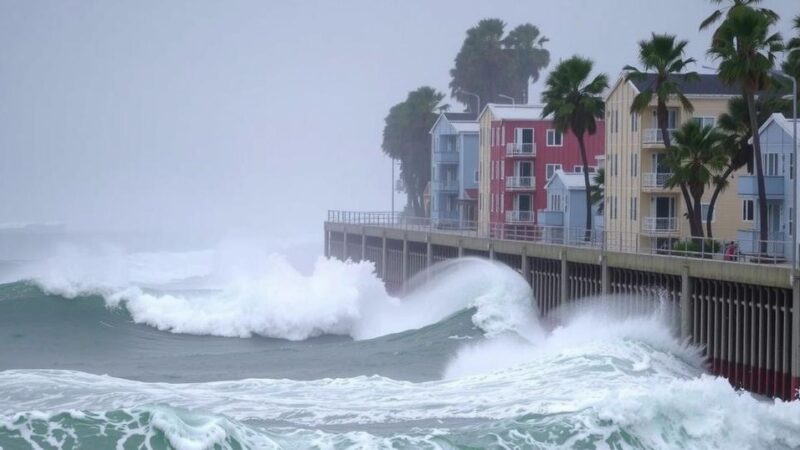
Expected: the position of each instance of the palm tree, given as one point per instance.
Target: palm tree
(746, 53)
(599, 189)
(718, 13)
(694, 160)
(663, 55)
(575, 101)
(739, 152)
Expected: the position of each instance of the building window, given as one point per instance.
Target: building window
(503, 136)
(615, 165)
(550, 170)
(704, 212)
(634, 122)
(747, 210)
(770, 164)
(634, 164)
(502, 169)
(577, 169)
(634, 208)
(705, 121)
(554, 138)
(555, 202)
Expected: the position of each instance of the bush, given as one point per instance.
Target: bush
(690, 247)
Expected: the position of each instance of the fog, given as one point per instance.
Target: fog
(208, 117)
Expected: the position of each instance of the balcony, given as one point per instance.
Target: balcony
(655, 180)
(550, 218)
(660, 225)
(654, 136)
(445, 185)
(777, 244)
(518, 149)
(520, 183)
(516, 216)
(447, 155)
(773, 185)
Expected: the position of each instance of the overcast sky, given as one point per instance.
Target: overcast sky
(260, 115)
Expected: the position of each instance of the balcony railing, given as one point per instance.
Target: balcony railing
(654, 180)
(520, 149)
(654, 136)
(527, 183)
(445, 185)
(516, 216)
(551, 218)
(748, 186)
(660, 224)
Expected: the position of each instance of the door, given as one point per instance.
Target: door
(524, 172)
(664, 213)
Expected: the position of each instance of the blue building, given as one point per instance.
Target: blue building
(454, 170)
(777, 154)
(564, 220)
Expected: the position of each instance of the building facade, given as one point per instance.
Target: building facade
(639, 211)
(564, 218)
(519, 152)
(777, 159)
(454, 168)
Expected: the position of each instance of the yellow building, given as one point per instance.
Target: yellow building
(640, 213)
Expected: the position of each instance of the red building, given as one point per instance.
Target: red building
(519, 152)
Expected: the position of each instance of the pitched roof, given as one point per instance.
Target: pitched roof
(461, 116)
(570, 180)
(783, 122)
(708, 84)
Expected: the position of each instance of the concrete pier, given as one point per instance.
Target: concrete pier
(743, 315)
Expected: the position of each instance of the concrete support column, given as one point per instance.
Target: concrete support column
(383, 257)
(604, 274)
(405, 260)
(327, 244)
(525, 265)
(460, 248)
(686, 304)
(428, 252)
(795, 343)
(491, 251)
(363, 245)
(344, 245)
(564, 277)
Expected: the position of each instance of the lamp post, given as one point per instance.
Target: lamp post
(794, 166)
(477, 97)
(508, 97)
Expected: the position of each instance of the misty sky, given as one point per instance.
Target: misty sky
(213, 115)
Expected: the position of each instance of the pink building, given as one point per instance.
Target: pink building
(519, 153)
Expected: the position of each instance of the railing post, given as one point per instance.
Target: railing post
(460, 248)
(344, 244)
(491, 250)
(686, 304)
(564, 277)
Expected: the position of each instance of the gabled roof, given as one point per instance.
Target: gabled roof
(513, 112)
(570, 180)
(462, 122)
(783, 122)
(708, 84)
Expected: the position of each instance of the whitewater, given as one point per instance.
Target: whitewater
(103, 348)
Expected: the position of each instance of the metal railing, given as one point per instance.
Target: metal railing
(521, 149)
(654, 136)
(445, 185)
(655, 179)
(516, 216)
(527, 183)
(660, 224)
(743, 250)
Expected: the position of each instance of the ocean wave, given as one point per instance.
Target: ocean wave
(277, 300)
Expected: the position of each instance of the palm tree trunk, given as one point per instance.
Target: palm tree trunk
(582, 145)
(712, 203)
(698, 232)
(762, 194)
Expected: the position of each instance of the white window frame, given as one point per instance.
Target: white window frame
(634, 122)
(634, 208)
(705, 121)
(746, 210)
(552, 133)
(554, 166)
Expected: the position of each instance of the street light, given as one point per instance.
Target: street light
(782, 74)
(462, 91)
(513, 101)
